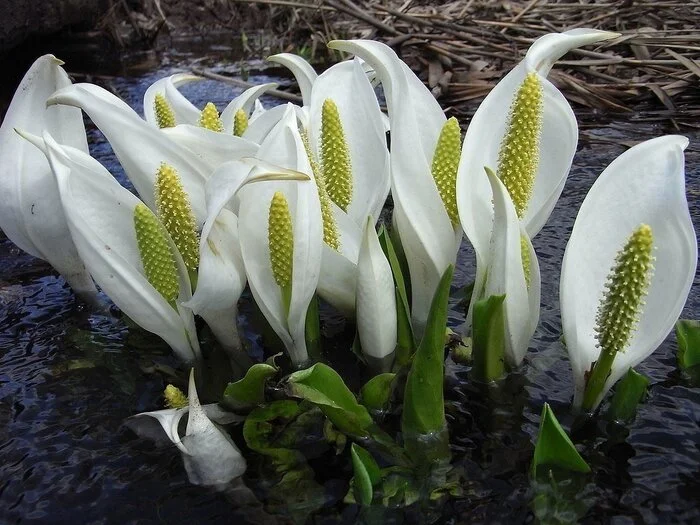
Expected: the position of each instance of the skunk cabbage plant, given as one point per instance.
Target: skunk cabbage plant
(628, 266)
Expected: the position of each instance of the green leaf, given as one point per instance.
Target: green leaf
(259, 431)
(629, 392)
(424, 407)
(376, 393)
(688, 336)
(334, 437)
(405, 342)
(249, 391)
(488, 338)
(554, 448)
(367, 474)
(322, 386)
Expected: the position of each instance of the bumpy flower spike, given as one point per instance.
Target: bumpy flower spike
(240, 122)
(335, 157)
(209, 118)
(165, 116)
(518, 156)
(174, 210)
(444, 168)
(620, 307)
(158, 262)
(281, 242)
(331, 235)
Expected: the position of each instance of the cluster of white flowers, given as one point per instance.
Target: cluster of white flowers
(286, 200)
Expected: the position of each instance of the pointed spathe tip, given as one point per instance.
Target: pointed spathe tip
(30, 137)
(592, 35)
(192, 391)
(53, 58)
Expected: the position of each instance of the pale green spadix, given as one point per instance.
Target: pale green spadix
(209, 118)
(165, 116)
(331, 235)
(335, 156)
(174, 211)
(444, 166)
(158, 261)
(174, 397)
(518, 156)
(620, 306)
(525, 256)
(240, 122)
(281, 244)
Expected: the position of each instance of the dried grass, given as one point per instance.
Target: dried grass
(463, 47)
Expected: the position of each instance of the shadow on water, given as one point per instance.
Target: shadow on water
(68, 378)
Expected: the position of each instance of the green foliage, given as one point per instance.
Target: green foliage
(249, 391)
(367, 474)
(629, 392)
(376, 393)
(488, 338)
(406, 344)
(313, 328)
(322, 386)
(424, 407)
(688, 336)
(554, 448)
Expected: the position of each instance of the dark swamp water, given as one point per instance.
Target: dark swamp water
(69, 378)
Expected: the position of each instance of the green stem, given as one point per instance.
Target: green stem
(597, 378)
(194, 276)
(313, 328)
(286, 298)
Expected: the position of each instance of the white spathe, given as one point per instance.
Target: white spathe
(376, 297)
(100, 216)
(30, 211)
(210, 456)
(284, 148)
(506, 276)
(416, 119)
(482, 142)
(644, 185)
(185, 112)
(140, 147)
(347, 85)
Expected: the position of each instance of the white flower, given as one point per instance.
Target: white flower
(643, 187)
(30, 211)
(429, 236)
(103, 218)
(210, 456)
(376, 298)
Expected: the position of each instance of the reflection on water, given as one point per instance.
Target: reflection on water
(69, 378)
